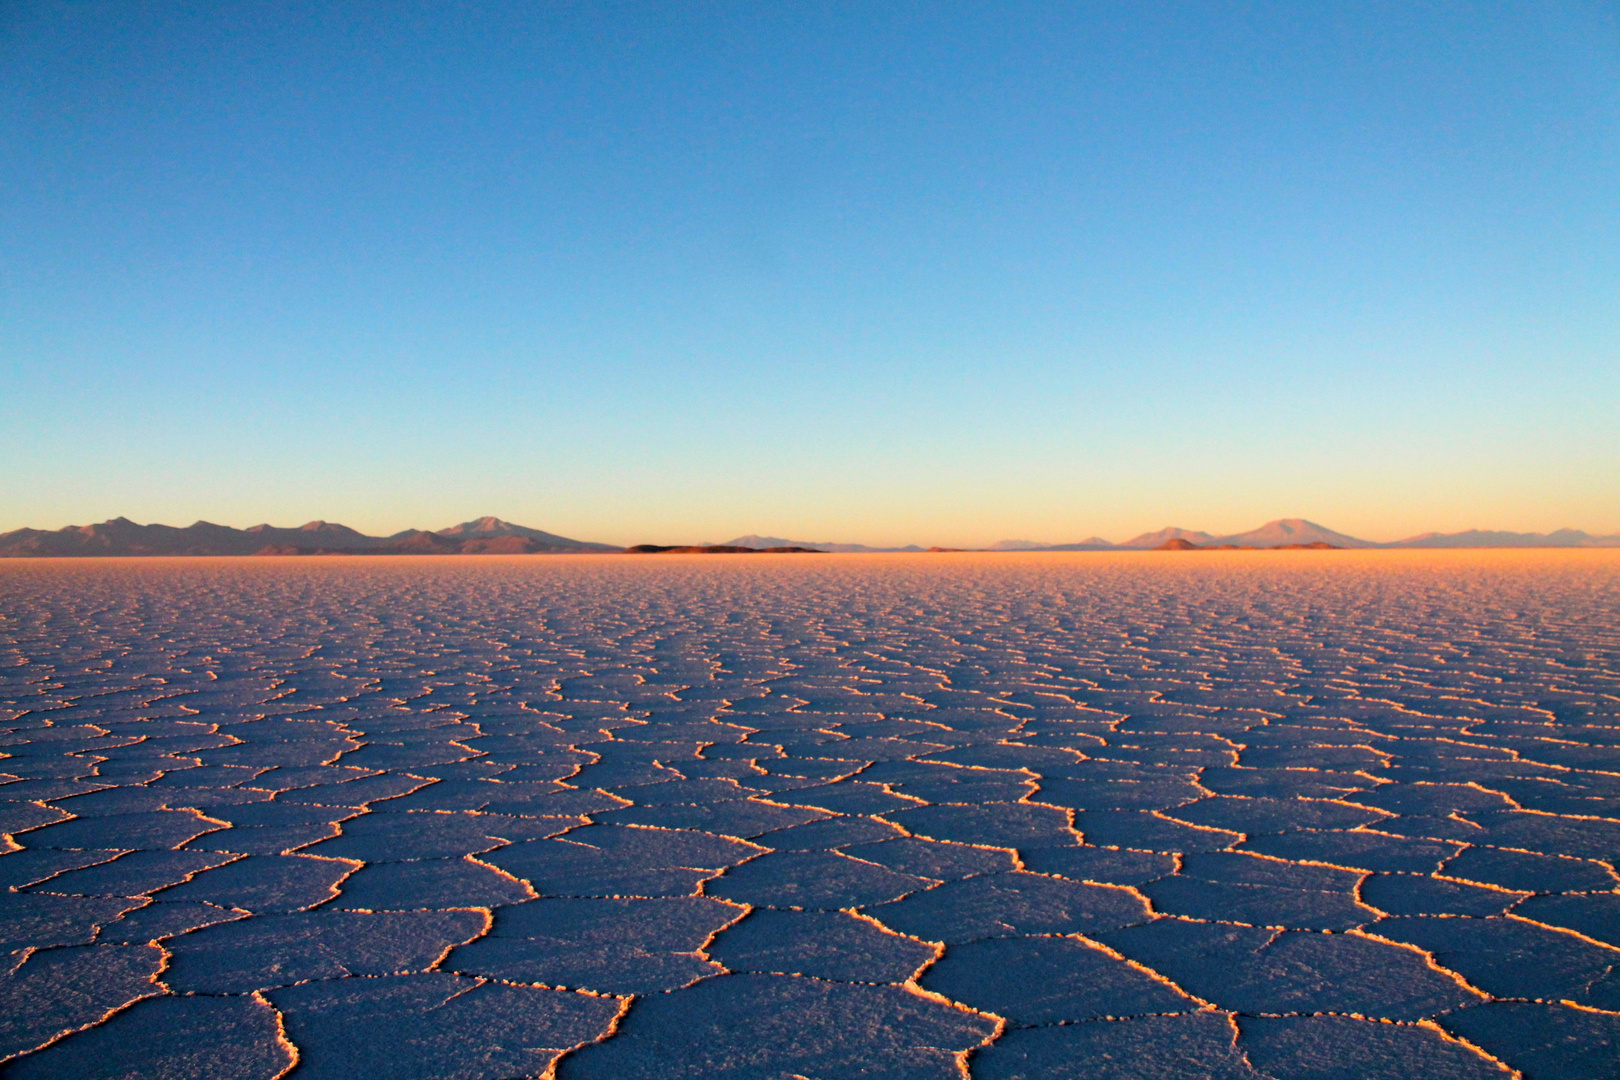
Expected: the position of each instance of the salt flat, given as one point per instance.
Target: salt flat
(1291, 815)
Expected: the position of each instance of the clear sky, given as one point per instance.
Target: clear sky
(871, 271)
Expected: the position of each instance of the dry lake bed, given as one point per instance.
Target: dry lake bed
(1306, 816)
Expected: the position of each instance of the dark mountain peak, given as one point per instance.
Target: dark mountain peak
(123, 537)
(489, 525)
(1293, 531)
(117, 524)
(317, 526)
(1169, 532)
(1279, 533)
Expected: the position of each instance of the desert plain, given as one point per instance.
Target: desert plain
(1294, 815)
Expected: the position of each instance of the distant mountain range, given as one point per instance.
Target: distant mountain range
(1271, 534)
(1288, 532)
(492, 536)
(1480, 538)
(120, 536)
(759, 543)
(1296, 531)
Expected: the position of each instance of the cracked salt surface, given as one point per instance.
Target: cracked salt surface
(1333, 816)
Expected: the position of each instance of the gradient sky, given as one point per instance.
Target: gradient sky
(883, 272)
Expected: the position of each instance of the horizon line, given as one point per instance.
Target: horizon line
(1273, 533)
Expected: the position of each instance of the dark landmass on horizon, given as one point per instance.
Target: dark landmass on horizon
(717, 549)
(1283, 533)
(1178, 544)
(1297, 532)
(121, 537)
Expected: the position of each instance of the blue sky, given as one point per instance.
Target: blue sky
(888, 272)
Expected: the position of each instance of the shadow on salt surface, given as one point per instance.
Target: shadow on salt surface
(469, 809)
(606, 946)
(1269, 972)
(168, 1037)
(61, 989)
(435, 1025)
(1051, 980)
(279, 950)
(763, 1025)
(824, 944)
(997, 905)
(1199, 1046)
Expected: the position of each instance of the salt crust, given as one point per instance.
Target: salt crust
(1328, 817)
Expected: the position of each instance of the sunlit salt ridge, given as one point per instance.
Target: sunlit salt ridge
(986, 816)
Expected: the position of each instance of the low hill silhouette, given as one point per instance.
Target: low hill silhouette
(1486, 538)
(1167, 534)
(766, 543)
(719, 549)
(1178, 544)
